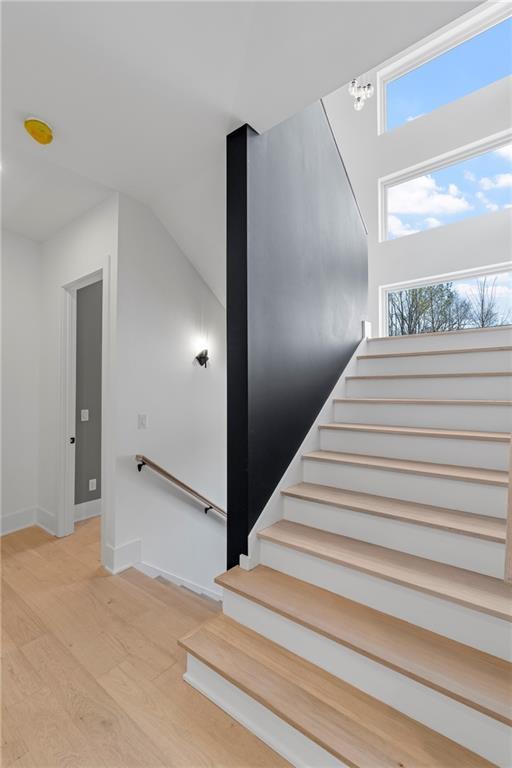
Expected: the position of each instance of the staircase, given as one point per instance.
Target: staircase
(375, 631)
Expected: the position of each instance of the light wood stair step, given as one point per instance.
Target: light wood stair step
(418, 401)
(477, 679)
(458, 375)
(440, 334)
(428, 352)
(464, 523)
(474, 590)
(426, 468)
(352, 726)
(455, 434)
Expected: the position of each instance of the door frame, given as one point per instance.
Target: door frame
(65, 522)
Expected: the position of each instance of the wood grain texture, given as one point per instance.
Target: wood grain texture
(464, 523)
(453, 434)
(354, 727)
(477, 679)
(474, 590)
(435, 352)
(426, 468)
(92, 671)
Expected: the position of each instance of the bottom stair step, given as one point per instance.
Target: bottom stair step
(353, 727)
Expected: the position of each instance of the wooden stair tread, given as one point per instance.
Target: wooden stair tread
(354, 727)
(465, 523)
(430, 469)
(473, 590)
(418, 401)
(430, 352)
(441, 375)
(505, 327)
(456, 434)
(475, 678)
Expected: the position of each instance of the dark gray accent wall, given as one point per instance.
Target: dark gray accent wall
(297, 293)
(88, 392)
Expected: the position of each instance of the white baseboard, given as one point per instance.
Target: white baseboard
(300, 751)
(46, 520)
(16, 521)
(25, 518)
(117, 559)
(153, 572)
(87, 509)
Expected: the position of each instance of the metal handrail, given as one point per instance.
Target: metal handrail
(143, 461)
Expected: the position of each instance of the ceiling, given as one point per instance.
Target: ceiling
(142, 94)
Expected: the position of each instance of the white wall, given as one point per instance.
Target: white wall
(21, 275)
(474, 242)
(82, 247)
(166, 315)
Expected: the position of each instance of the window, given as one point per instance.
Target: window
(471, 187)
(472, 65)
(472, 302)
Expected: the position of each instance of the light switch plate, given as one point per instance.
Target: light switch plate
(84, 414)
(92, 484)
(142, 421)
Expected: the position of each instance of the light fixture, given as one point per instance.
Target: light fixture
(360, 93)
(202, 358)
(39, 130)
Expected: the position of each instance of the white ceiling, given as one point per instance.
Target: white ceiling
(142, 94)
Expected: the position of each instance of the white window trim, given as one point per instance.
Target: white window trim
(384, 290)
(488, 144)
(452, 35)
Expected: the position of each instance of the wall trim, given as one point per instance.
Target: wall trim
(152, 571)
(118, 559)
(87, 509)
(46, 520)
(26, 518)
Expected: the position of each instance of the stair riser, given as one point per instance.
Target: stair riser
(464, 453)
(497, 337)
(271, 729)
(455, 363)
(475, 628)
(478, 555)
(478, 498)
(491, 418)
(457, 388)
(465, 725)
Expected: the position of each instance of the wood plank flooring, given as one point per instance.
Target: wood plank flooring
(91, 668)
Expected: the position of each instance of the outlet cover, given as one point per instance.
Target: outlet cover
(84, 414)
(92, 484)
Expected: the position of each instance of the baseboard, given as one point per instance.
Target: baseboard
(87, 509)
(117, 559)
(46, 520)
(153, 572)
(16, 521)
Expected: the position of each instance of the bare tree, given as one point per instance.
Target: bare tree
(484, 310)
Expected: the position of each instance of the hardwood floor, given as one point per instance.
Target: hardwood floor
(91, 668)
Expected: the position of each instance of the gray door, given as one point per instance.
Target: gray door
(88, 393)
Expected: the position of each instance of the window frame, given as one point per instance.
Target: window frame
(454, 156)
(458, 32)
(384, 290)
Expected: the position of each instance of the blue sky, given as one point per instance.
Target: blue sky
(479, 185)
(474, 64)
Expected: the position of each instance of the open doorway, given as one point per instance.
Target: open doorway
(82, 403)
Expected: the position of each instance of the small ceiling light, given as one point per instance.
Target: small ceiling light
(360, 93)
(202, 358)
(39, 130)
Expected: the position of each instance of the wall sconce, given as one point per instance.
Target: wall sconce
(202, 358)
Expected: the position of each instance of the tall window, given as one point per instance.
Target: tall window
(472, 65)
(471, 187)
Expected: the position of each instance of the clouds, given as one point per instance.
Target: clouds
(396, 227)
(505, 152)
(424, 196)
(432, 223)
(499, 181)
(486, 202)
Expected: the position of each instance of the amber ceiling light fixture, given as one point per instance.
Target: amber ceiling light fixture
(39, 130)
